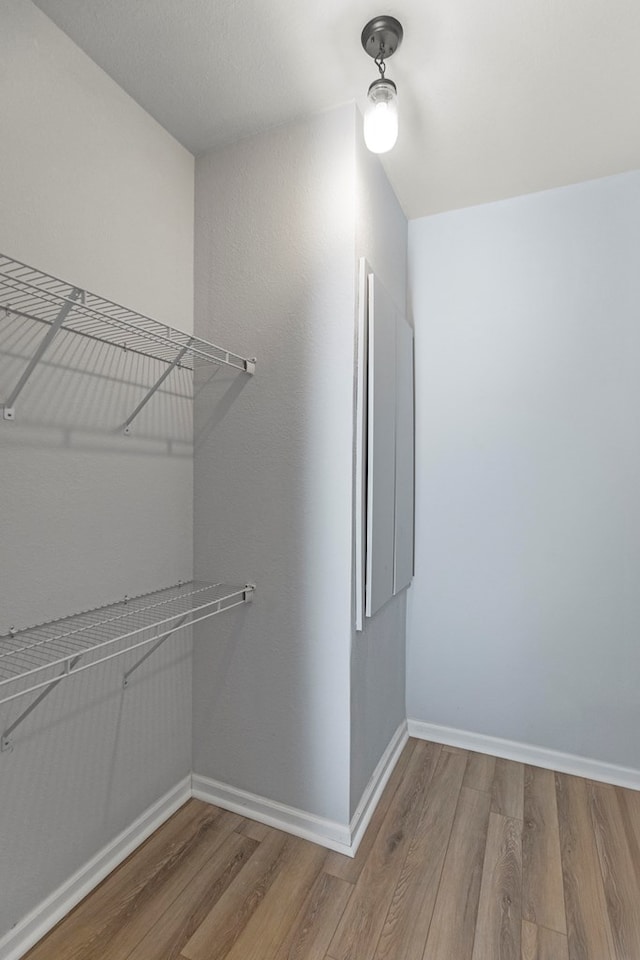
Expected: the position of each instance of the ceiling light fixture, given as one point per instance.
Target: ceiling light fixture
(381, 38)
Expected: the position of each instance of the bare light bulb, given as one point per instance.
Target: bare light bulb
(381, 116)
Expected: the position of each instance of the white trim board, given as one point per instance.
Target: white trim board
(373, 791)
(40, 920)
(527, 753)
(328, 833)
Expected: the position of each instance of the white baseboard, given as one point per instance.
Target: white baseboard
(527, 753)
(377, 783)
(39, 921)
(345, 838)
(328, 833)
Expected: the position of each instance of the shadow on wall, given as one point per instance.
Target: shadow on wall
(82, 392)
(217, 392)
(85, 763)
(87, 516)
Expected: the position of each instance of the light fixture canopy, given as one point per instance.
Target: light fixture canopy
(380, 38)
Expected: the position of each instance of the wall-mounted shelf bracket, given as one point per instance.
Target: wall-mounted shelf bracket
(145, 400)
(247, 598)
(6, 743)
(39, 658)
(34, 295)
(157, 644)
(8, 411)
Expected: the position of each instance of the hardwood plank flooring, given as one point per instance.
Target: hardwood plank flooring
(174, 928)
(406, 926)
(316, 923)
(542, 893)
(452, 929)
(630, 810)
(467, 857)
(350, 868)
(141, 875)
(229, 915)
(480, 772)
(588, 928)
(617, 868)
(148, 907)
(269, 926)
(538, 943)
(507, 794)
(361, 924)
(257, 831)
(497, 932)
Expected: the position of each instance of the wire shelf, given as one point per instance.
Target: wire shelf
(30, 293)
(42, 656)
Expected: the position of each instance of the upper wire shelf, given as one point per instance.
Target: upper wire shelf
(38, 658)
(39, 296)
(27, 292)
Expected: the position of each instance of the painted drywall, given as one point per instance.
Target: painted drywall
(275, 274)
(524, 614)
(93, 190)
(378, 652)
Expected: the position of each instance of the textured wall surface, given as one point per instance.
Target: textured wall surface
(92, 189)
(378, 652)
(524, 615)
(273, 462)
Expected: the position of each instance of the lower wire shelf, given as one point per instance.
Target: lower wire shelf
(37, 659)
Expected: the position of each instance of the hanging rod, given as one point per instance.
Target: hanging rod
(30, 293)
(37, 659)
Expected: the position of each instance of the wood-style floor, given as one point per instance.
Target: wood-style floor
(467, 857)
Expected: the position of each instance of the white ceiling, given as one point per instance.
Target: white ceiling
(497, 97)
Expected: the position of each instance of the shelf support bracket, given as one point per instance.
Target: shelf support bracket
(145, 400)
(6, 744)
(158, 643)
(8, 411)
(247, 597)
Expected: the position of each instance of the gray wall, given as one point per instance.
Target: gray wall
(86, 514)
(273, 463)
(378, 652)
(89, 515)
(92, 189)
(525, 613)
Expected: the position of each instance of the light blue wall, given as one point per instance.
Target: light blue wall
(525, 613)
